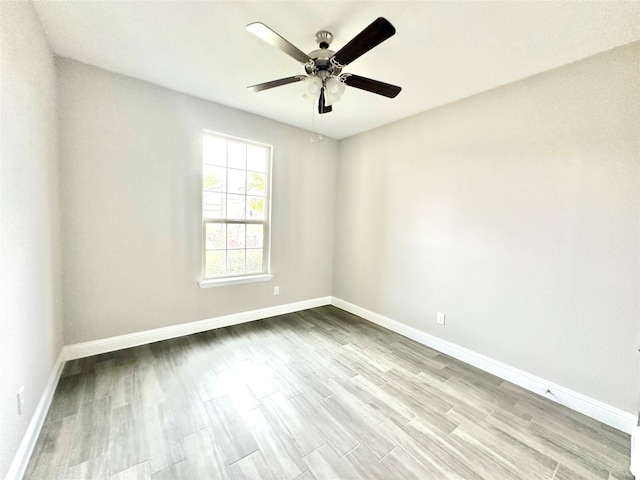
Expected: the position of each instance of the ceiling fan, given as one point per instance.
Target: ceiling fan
(324, 79)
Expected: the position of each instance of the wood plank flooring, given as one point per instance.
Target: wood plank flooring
(318, 394)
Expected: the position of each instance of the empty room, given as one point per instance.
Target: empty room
(319, 240)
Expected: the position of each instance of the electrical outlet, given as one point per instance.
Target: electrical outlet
(276, 290)
(440, 318)
(20, 399)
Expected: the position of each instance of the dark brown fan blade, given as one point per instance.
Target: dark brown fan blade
(263, 32)
(376, 33)
(322, 108)
(373, 86)
(275, 83)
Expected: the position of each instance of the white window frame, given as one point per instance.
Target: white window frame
(265, 275)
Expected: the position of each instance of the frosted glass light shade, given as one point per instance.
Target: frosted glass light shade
(313, 86)
(333, 90)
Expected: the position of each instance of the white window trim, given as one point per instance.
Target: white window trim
(223, 282)
(241, 279)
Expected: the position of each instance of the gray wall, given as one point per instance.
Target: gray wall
(516, 212)
(30, 311)
(130, 169)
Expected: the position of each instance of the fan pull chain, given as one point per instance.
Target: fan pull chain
(313, 125)
(313, 117)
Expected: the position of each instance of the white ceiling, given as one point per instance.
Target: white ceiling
(442, 51)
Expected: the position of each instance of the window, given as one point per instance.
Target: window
(236, 177)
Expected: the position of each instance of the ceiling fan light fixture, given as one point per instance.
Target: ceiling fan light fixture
(335, 86)
(313, 86)
(333, 89)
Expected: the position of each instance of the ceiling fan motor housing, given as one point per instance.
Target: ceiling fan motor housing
(321, 64)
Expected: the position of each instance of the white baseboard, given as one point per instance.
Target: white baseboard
(600, 411)
(607, 414)
(20, 462)
(25, 450)
(111, 344)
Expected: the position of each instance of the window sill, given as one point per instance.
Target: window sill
(223, 282)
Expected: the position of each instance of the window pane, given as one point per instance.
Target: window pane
(257, 158)
(214, 179)
(255, 236)
(235, 236)
(216, 236)
(256, 208)
(214, 150)
(216, 264)
(255, 183)
(237, 181)
(254, 260)
(235, 207)
(235, 262)
(237, 155)
(213, 205)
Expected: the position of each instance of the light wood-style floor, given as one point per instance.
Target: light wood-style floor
(318, 394)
